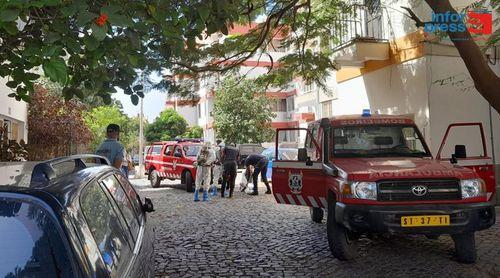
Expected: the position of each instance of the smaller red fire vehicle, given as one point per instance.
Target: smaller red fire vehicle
(173, 160)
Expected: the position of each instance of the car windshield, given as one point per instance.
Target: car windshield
(31, 244)
(378, 141)
(191, 150)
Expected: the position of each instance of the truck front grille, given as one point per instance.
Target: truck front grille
(402, 190)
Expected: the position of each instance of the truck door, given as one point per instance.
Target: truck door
(466, 141)
(167, 161)
(177, 159)
(297, 175)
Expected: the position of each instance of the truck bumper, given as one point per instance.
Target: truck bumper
(387, 219)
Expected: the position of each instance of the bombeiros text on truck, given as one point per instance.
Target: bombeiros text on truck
(375, 174)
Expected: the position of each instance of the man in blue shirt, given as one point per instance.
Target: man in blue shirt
(111, 148)
(259, 162)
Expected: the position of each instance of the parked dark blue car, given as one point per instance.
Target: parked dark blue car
(73, 218)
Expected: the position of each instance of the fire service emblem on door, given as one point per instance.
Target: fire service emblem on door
(295, 182)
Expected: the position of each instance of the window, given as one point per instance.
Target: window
(133, 196)
(278, 105)
(105, 226)
(378, 141)
(124, 204)
(156, 149)
(7, 126)
(326, 109)
(168, 150)
(178, 151)
(290, 104)
(192, 150)
(31, 242)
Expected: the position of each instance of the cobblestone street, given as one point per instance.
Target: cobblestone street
(254, 236)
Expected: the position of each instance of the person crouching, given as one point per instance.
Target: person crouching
(204, 161)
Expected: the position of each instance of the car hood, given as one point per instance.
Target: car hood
(372, 169)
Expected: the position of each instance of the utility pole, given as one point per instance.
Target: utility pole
(140, 172)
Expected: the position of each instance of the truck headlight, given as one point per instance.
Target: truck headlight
(472, 188)
(364, 190)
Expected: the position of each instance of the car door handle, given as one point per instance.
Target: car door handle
(280, 170)
(483, 168)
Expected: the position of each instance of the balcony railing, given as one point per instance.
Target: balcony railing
(363, 22)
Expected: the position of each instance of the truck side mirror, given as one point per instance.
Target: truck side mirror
(453, 159)
(302, 154)
(460, 151)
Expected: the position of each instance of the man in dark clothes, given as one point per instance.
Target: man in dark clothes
(259, 162)
(229, 157)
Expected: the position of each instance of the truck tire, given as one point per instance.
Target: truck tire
(342, 243)
(316, 214)
(188, 179)
(465, 247)
(155, 179)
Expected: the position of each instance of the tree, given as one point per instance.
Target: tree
(167, 126)
(242, 113)
(98, 118)
(97, 45)
(193, 132)
(55, 127)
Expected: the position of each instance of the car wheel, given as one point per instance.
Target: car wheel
(189, 181)
(465, 247)
(154, 179)
(341, 241)
(316, 214)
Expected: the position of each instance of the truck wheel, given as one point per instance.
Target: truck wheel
(342, 243)
(465, 247)
(154, 179)
(316, 214)
(189, 181)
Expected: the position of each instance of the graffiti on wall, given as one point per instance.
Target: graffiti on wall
(462, 82)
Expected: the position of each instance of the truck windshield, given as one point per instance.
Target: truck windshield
(192, 150)
(30, 244)
(378, 141)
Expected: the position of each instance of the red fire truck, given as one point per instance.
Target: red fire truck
(374, 174)
(173, 160)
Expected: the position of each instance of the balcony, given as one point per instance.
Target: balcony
(360, 37)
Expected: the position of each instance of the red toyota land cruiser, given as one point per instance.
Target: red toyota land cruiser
(376, 175)
(173, 160)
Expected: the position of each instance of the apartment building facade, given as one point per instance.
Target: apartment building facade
(282, 100)
(13, 114)
(391, 67)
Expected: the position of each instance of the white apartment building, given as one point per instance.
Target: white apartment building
(13, 114)
(391, 67)
(282, 100)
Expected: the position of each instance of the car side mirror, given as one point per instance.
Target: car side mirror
(148, 205)
(177, 154)
(460, 151)
(302, 154)
(309, 161)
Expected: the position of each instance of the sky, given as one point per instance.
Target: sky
(154, 103)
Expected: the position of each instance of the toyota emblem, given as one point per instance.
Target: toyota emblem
(419, 190)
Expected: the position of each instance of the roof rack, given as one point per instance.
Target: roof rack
(44, 171)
